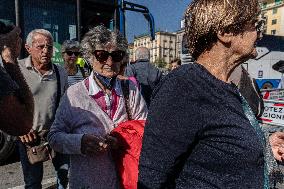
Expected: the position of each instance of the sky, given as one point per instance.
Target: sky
(167, 15)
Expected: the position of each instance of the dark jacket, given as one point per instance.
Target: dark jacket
(147, 75)
(249, 89)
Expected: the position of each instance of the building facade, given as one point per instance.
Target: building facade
(130, 52)
(272, 11)
(179, 37)
(163, 48)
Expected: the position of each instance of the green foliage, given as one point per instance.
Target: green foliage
(160, 62)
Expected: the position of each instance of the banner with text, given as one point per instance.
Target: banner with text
(273, 107)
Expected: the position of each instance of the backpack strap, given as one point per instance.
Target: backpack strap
(125, 91)
(58, 86)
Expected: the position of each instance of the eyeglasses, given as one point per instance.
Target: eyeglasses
(70, 53)
(102, 55)
(42, 46)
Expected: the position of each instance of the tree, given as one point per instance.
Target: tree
(160, 62)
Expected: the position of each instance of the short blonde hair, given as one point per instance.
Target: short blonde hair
(205, 18)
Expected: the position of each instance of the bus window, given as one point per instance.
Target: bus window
(58, 17)
(7, 11)
(97, 13)
(63, 18)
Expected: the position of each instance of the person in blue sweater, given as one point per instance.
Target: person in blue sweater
(200, 131)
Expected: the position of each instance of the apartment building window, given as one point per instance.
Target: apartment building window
(273, 32)
(274, 21)
(274, 11)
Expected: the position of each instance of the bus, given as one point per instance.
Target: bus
(70, 19)
(265, 67)
(65, 19)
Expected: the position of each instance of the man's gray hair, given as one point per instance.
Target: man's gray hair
(100, 37)
(142, 53)
(34, 32)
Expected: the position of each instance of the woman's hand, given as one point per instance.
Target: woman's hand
(277, 145)
(112, 141)
(92, 144)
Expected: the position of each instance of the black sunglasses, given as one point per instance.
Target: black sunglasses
(69, 53)
(102, 55)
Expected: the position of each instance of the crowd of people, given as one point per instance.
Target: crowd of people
(201, 130)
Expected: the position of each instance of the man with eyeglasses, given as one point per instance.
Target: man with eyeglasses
(48, 83)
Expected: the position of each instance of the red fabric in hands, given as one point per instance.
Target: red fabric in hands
(129, 135)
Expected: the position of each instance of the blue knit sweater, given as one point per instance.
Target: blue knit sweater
(197, 136)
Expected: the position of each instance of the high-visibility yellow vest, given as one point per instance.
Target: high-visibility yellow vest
(80, 61)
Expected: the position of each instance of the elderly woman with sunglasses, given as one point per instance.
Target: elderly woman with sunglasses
(91, 109)
(70, 50)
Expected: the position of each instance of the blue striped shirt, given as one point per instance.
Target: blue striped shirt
(72, 79)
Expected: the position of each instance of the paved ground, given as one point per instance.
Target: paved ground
(12, 176)
(11, 173)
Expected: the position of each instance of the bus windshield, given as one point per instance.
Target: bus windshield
(69, 19)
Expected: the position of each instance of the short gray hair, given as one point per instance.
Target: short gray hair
(70, 44)
(101, 36)
(142, 53)
(34, 32)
